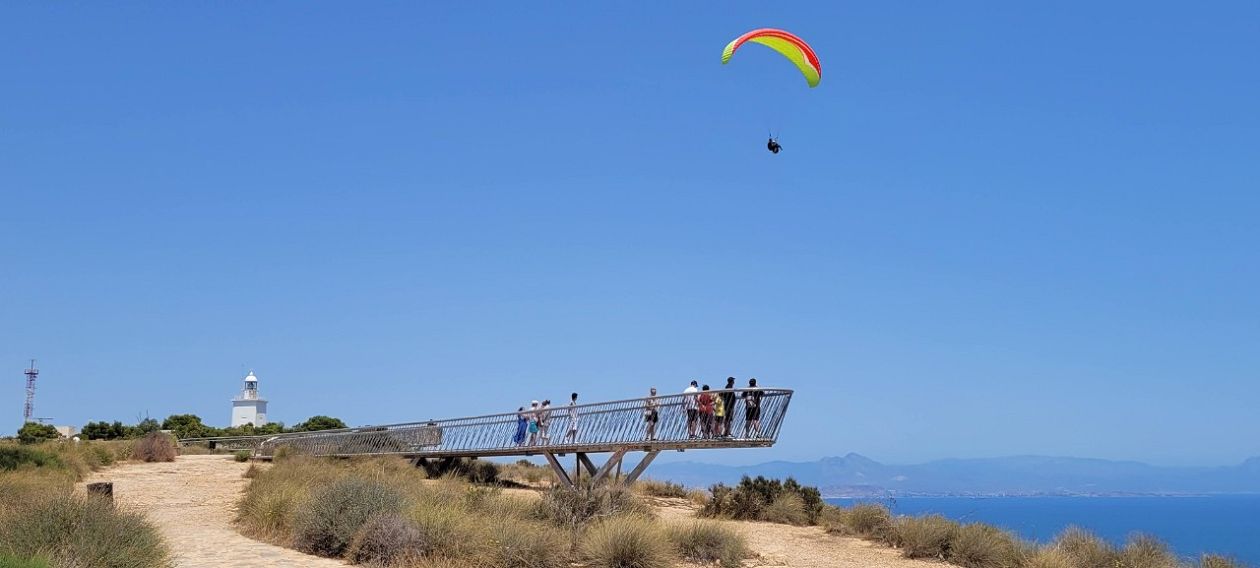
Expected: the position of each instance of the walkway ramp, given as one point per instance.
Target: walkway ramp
(615, 428)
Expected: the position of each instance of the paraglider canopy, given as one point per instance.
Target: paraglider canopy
(788, 45)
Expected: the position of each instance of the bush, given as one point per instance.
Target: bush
(923, 537)
(34, 433)
(661, 489)
(786, 509)
(866, 520)
(749, 499)
(15, 562)
(79, 531)
(1048, 557)
(519, 544)
(474, 470)
(1084, 549)
(1216, 561)
(154, 447)
(252, 471)
(576, 507)
(707, 542)
(329, 520)
(978, 545)
(243, 455)
(1143, 551)
(626, 542)
(316, 423)
(13, 457)
(383, 540)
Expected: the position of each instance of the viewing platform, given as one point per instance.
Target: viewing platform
(616, 428)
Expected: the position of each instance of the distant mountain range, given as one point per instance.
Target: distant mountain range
(858, 476)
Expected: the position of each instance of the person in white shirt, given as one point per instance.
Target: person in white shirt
(571, 435)
(693, 408)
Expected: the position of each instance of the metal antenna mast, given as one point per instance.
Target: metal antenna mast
(31, 374)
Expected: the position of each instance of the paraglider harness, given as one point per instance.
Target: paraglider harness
(773, 145)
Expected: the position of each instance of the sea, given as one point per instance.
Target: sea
(1226, 525)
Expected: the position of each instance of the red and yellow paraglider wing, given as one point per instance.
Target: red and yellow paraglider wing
(788, 45)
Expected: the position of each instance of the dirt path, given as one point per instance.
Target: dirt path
(193, 502)
(801, 547)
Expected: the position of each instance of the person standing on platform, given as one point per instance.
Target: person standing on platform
(752, 409)
(572, 434)
(689, 403)
(728, 402)
(705, 404)
(651, 414)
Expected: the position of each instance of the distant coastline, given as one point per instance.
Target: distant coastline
(856, 476)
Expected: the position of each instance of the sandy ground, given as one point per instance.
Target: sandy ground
(193, 502)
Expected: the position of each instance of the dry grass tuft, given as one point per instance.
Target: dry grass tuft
(786, 509)
(626, 542)
(866, 520)
(923, 537)
(1217, 561)
(1085, 550)
(977, 545)
(155, 447)
(707, 542)
(1144, 551)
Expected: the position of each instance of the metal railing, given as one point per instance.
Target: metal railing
(755, 417)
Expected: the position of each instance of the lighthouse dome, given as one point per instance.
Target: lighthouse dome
(251, 378)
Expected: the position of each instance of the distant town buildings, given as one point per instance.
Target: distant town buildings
(248, 407)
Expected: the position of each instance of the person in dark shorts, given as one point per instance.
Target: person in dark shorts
(728, 402)
(752, 409)
(651, 414)
(689, 403)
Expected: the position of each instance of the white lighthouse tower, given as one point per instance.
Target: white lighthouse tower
(247, 407)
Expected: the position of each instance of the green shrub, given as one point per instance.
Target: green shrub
(154, 447)
(13, 457)
(15, 562)
(786, 509)
(34, 433)
(474, 470)
(665, 489)
(327, 522)
(573, 508)
(1085, 550)
(752, 496)
(978, 545)
(923, 537)
(707, 542)
(80, 531)
(1144, 551)
(243, 455)
(626, 542)
(383, 540)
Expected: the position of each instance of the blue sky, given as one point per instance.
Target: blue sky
(996, 228)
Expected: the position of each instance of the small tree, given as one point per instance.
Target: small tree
(145, 426)
(104, 431)
(320, 422)
(270, 428)
(186, 426)
(34, 432)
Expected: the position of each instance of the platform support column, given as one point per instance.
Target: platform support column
(639, 469)
(561, 474)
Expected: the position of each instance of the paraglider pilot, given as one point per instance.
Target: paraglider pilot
(773, 146)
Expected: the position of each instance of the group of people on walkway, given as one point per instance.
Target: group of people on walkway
(710, 414)
(533, 425)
